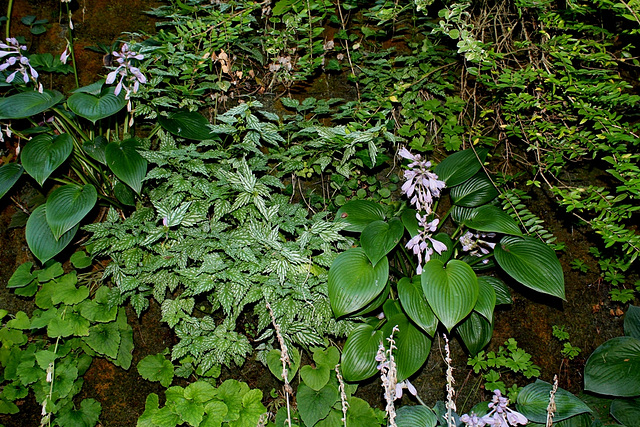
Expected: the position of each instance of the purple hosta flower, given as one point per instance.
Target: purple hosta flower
(402, 385)
(13, 51)
(421, 185)
(418, 244)
(130, 77)
(474, 244)
(500, 415)
(472, 420)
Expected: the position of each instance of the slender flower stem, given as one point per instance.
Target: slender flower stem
(8, 27)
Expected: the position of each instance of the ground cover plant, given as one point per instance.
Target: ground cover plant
(332, 241)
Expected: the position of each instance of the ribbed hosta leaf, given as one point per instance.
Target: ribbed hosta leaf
(632, 322)
(416, 416)
(188, 125)
(415, 304)
(359, 353)
(486, 300)
(626, 411)
(451, 291)
(40, 238)
(380, 237)
(412, 344)
(614, 368)
(96, 147)
(9, 175)
(532, 263)
(353, 282)
(533, 401)
(492, 219)
(460, 166)
(360, 213)
(474, 192)
(67, 205)
(44, 154)
(126, 163)
(503, 295)
(475, 332)
(27, 104)
(93, 107)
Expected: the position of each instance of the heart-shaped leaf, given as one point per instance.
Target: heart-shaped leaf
(9, 175)
(415, 304)
(360, 213)
(67, 205)
(532, 263)
(475, 332)
(460, 166)
(533, 400)
(126, 163)
(275, 363)
(451, 291)
(380, 237)
(626, 411)
(415, 416)
(44, 154)
(353, 282)
(492, 219)
(486, 300)
(315, 405)
(327, 358)
(94, 107)
(315, 378)
(359, 353)
(188, 125)
(40, 238)
(614, 368)
(96, 148)
(27, 104)
(412, 344)
(474, 192)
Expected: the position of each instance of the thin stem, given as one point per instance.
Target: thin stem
(8, 27)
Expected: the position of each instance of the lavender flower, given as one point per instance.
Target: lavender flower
(474, 244)
(422, 186)
(499, 416)
(13, 51)
(129, 75)
(418, 244)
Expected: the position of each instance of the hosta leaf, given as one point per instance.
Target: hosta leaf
(460, 166)
(67, 205)
(492, 219)
(9, 175)
(410, 221)
(353, 282)
(503, 295)
(532, 263)
(27, 104)
(188, 125)
(126, 163)
(475, 332)
(40, 238)
(94, 107)
(380, 237)
(415, 304)
(96, 148)
(632, 322)
(451, 291)
(486, 300)
(416, 416)
(533, 401)
(359, 353)
(626, 411)
(474, 192)
(360, 213)
(413, 345)
(44, 154)
(614, 368)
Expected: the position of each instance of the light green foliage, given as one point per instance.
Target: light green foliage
(568, 351)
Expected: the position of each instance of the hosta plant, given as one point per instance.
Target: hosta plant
(461, 255)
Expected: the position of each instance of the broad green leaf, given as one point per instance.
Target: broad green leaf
(94, 107)
(190, 412)
(21, 321)
(376, 303)
(410, 221)
(9, 175)
(503, 295)
(188, 125)
(99, 309)
(252, 409)
(532, 263)
(231, 393)
(124, 194)
(315, 405)
(360, 213)
(412, 344)
(315, 378)
(360, 413)
(44, 154)
(96, 148)
(126, 163)
(614, 368)
(104, 338)
(40, 238)
(474, 192)
(327, 358)
(626, 411)
(67, 292)
(59, 327)
(380, 237)
(492, 219)
(68, 205)
(416, 416)
(80, 260)
(125, 350)
(460, 166)
(22, 276)
(275, 364)
(475, 332)
(27, 104)
(215, 412)
(353, 282)
(150, 409)
(415, 304)
(486, 300)
(359, 353)
(631, 321)
(451, 291)
(165, 417)
(533, 401)
(199, 391)
(87, 415)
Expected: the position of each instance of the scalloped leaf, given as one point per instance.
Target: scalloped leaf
(126, 163)
(492, 219)
(614, 368)
(380, 237)
(27, 104)
(9, 175)
(460, 166)
(188, 125)
(415, 304)
(451, 290)
(533, 400)
(532, 263)
(475, 191)
(413, 345)
(94, 107)
(68, 205)
(475, 332)
(359, 353)
(44, 154)
(353, 282)
(40, 238)
(360, 213)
